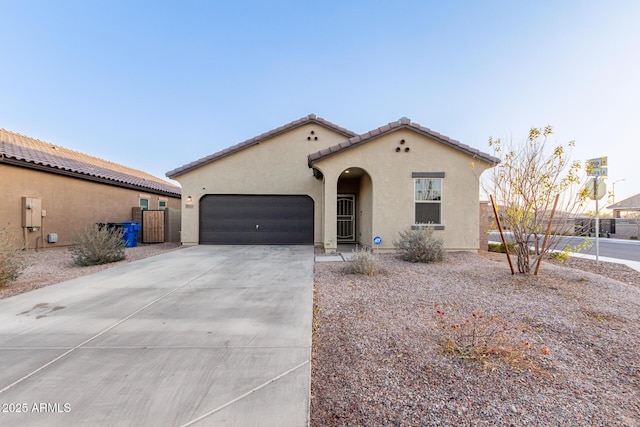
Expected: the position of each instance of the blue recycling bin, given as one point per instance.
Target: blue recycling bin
(130, 233)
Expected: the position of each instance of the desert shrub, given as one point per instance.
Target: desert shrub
(419, 245)
(98, 245)
(499, 247)
(496, 247)
(482, 337)
(12, 259)
(363, 261)
(560, 256)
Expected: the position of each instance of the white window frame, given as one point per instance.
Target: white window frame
(434, 177)
(140, 199)
(163, 200)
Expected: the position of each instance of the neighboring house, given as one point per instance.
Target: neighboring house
(50, 192)
(627, 207)
(313, 182)
(627, 218)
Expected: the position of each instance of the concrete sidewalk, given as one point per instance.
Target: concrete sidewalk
(203, 336)
(632, 264)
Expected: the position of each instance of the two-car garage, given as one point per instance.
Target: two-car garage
(241, 219)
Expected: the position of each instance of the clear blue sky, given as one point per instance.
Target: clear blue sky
(155, 84)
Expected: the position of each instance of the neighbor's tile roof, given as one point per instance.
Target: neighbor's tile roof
(23, 151)
(391, 127)
(632, 202)
(311, 118)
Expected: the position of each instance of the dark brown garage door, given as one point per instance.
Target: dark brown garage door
(227, 219)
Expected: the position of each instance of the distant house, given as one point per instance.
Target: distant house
(314, 182)
(48, 192)
(627, 217)
(623, 208)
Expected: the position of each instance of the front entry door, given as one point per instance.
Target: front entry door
(346, 218)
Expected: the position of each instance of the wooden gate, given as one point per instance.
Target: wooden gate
(152, 226)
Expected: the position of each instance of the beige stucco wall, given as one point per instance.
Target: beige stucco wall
(392, 189)
(70, 203)
(484, 226)
(275, 166)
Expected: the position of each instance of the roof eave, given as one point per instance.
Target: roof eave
(59, 171)
(393, 127)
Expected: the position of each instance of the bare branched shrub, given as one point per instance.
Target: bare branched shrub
(482, 337)
(363, 261)
(98, 245)
(12, 259)
(420, 246)
(525, 185)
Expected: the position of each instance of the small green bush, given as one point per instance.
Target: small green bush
(560, 256)
(98, 245)
(363, 261)
(499, 247)
(12, 259)
(496, 247)
(419, 245)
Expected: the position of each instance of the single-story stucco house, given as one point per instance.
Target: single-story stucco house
(313, 182)
(50, 192)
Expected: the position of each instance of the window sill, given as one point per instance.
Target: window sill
(421, 226)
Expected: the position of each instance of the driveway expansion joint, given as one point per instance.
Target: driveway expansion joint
(242, 396)
(204, 336)
(99, 334)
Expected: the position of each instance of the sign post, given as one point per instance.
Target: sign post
(597, 168)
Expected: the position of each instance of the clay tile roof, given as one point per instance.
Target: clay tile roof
(391, 127)
(311, 118)
(20, 150)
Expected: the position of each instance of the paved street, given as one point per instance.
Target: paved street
(611, 248)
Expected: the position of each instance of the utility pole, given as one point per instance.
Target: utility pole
(613, 190)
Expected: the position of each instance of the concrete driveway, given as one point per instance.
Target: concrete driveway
(203, 336)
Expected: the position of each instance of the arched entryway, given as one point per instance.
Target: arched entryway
(354, 207)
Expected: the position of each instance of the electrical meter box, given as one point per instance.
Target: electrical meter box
(31, 212)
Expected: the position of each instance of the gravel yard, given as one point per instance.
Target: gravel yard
(50, 266)
(560, 349)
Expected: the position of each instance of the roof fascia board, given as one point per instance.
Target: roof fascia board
(462, 147)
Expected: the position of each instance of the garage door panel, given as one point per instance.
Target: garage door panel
(283, 226)
(256, 219)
